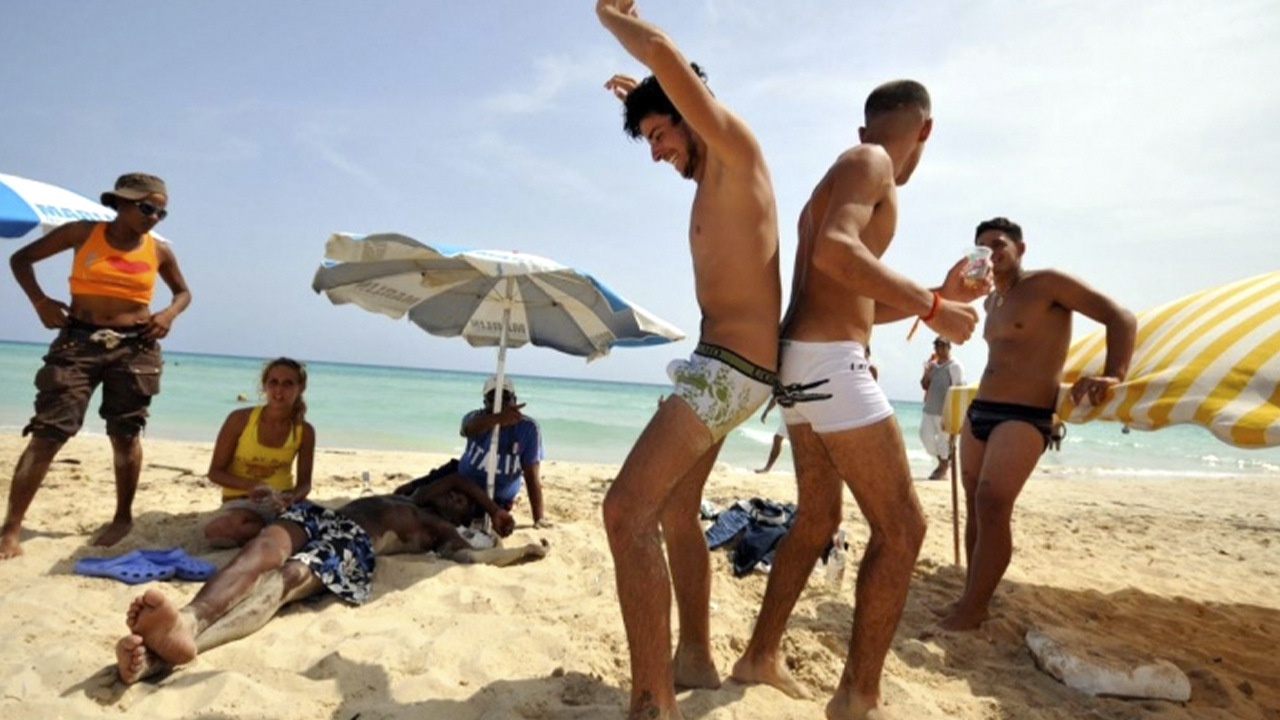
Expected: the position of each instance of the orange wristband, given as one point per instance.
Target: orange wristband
(933, 310)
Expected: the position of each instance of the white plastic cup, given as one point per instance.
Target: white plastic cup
(978, 264)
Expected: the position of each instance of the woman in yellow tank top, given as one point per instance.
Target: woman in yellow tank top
(254, 456)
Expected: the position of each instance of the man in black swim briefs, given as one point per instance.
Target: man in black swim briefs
(1009, 424)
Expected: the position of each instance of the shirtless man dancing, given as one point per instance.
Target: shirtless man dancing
(839, 291)
(733, 237)
(1007, 428)
(294, 557)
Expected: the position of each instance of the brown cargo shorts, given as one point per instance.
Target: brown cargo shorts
(129, 373)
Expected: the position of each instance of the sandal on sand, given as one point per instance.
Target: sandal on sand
(185, 567)
(130, 568)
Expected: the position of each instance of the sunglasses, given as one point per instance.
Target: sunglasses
(151, 210)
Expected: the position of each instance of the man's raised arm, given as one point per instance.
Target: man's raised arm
(723, 131)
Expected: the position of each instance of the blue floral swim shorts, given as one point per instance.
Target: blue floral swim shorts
(337, 550)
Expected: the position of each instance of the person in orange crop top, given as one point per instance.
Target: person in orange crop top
(107, 336)
(254, 456)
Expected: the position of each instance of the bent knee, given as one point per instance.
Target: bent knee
(993, 502)
(295, 574)
(906, 530)
(815, 526)
(232, 530)
(617, 517)
(623, 517)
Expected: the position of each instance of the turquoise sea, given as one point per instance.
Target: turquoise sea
(415, 409)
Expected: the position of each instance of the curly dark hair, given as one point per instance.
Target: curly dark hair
(648, 98)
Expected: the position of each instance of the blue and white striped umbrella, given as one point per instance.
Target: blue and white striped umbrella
(488, 297)
(29, 204)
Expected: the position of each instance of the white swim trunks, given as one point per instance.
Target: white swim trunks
(721, 386)
(855, 399)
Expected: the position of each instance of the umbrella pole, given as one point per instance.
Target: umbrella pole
(955, 497)
(491, 464)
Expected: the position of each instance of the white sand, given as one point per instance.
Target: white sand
(1178, 569)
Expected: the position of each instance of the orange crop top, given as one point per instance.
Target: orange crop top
(99, 269)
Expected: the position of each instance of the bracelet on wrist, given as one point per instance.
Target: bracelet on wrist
(933, 310)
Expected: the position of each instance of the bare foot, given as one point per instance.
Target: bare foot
(131, 615)
(959, 621)
(774, 673)
(135, 662)
(162, 628)
(114, 533)
(943, 610)
(648, 711)
(846, 708)
(9, 547)
(695, 670)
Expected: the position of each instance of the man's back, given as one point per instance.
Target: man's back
(857, 200)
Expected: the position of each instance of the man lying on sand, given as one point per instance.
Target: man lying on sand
(306, 549)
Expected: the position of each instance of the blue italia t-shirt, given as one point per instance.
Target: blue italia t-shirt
(518, 445)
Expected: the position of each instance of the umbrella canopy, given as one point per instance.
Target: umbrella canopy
(451, 292)
(1212, 358)
(28, 204)
(489, 297)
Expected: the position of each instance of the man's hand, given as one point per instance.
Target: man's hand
(621, 86)
(622, 7)
(53, 313)
(510, 415)
(957, 288)
(1095, 388)
(503, 523)
(158, 325)
(953, 320)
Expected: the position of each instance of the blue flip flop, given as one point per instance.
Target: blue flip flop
(185, 567)
(129, 568)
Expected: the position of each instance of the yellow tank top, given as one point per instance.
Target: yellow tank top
(99, 269)
(267, 465)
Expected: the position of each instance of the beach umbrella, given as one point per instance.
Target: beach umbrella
(29, 204)
(1211, 358)
(491, 298)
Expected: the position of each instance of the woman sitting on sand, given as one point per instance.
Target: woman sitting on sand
(253, 457)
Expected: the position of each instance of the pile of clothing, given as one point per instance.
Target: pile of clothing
(757, 524)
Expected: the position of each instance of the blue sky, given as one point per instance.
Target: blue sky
(1133, 141)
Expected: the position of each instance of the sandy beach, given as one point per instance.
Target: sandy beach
(1184, 570)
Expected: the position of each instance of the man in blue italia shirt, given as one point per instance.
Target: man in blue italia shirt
(519, 448)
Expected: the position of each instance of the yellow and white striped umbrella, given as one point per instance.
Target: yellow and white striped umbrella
(1212, 358)
(956, 405)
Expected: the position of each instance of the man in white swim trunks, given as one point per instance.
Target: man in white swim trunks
(840, 290)
(733, 236)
